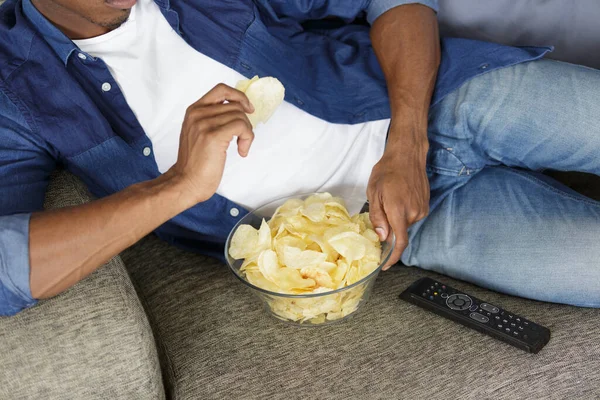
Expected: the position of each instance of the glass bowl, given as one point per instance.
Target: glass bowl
(313, 308)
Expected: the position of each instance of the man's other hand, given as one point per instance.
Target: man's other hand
(398, 190)
(209, 126)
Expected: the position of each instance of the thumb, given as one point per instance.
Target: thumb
(379, 219)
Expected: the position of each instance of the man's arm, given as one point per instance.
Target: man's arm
(406, 42)
(66, 245)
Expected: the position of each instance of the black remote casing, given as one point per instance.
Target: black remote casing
(472, 312)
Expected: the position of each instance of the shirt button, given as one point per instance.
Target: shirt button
(106, 86)
(147, 151)
(234, 212)
(82, 56)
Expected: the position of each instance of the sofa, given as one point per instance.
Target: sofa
(157, 322)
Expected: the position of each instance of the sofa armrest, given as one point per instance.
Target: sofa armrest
(91, 342)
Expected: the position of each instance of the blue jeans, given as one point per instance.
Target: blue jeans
(495, 220)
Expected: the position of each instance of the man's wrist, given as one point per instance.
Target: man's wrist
(170, 192)
(407, 134)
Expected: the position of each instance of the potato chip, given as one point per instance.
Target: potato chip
(256, 278)
(370, 235)
(290, 279)
(265, 94)
(264, 237)
(320, 276)
(315, 212)
(339, 274)
(351, 245)
(287, 241)
(318, 198)
(268, 265)
(243, 243)
(243, 85)
(295, 258)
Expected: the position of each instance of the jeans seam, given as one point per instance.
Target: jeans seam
(545, 185)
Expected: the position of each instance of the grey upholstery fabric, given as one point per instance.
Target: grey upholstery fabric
(91, 342)
(217, 342)
(571, 26)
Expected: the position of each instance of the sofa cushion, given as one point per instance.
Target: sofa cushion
(91, 342)
(218, 343)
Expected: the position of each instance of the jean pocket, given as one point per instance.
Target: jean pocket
(444, 161)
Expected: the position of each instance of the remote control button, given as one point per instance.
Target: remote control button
(444, 295)
(520, 328)
(490, 308)
(458, 302)
(436, 284)
(443, 286)
(505, 321)
(500, 326)
(512, 324)
(518, 319)
(474, 307)
(525, 323)
(424, 294)
(431, 287)
(428, 291)
(510, 316)
(507, 330)
(515, 333)
(488, 314)
(435, 293)
(479, 318)
(497, 317)
(430, 297)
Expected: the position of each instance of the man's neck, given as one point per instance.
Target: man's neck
(74, 26)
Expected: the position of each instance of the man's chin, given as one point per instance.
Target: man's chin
(120, 4)
(116, 22)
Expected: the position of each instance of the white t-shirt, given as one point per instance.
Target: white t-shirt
(160, 75)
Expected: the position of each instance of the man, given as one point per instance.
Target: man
(123, 94)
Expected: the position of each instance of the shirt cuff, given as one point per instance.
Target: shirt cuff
(378, 7)
(14, 263)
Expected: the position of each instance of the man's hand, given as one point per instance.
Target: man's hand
(398, 192)
(208, 128)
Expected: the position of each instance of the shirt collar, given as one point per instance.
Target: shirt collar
(60, 43)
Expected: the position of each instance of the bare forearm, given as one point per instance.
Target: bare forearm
(68, 244)
(406, 42)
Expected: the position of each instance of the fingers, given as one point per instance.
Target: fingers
(222, 93)
(214, 110)
(210, 124)
(240, 128)
(399, 226)
(378, 218)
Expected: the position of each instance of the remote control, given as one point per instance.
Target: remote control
(479, 315)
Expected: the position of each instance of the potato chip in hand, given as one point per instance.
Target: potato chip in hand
(265, 94)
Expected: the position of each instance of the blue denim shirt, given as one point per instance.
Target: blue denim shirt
(60, 106)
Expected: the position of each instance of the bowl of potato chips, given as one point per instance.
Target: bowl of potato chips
(311, 259)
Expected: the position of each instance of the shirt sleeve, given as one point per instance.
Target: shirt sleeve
(15, 294)
(303, 10)
(377, 7)
(25, 167)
